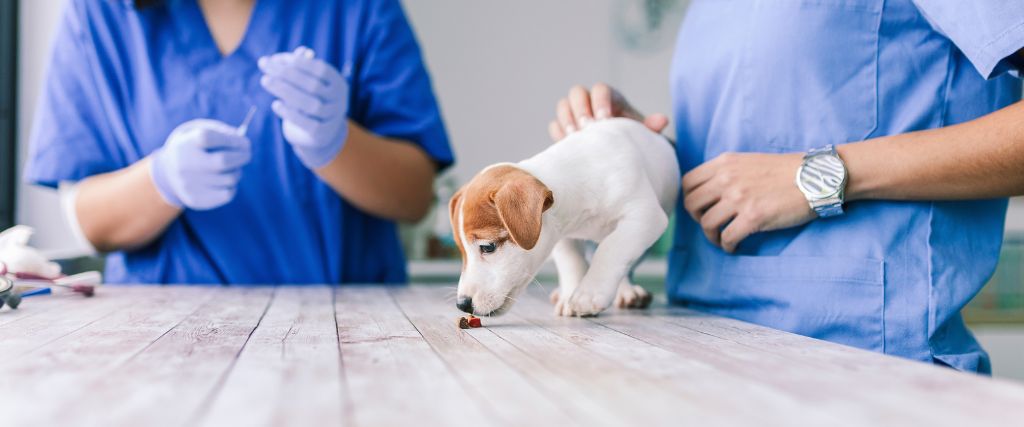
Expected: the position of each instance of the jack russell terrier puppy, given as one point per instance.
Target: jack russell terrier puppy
(614, 182)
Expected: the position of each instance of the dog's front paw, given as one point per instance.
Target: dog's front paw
(632, 296)
(584, 303)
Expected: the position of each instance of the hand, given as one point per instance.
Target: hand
(200, 164)
(312, 100)
(581, 108)
(745, 193)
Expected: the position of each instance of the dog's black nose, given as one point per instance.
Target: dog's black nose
(465, 304)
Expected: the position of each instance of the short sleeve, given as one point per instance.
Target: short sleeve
(986, 31)
(392, 94)
(69, 139)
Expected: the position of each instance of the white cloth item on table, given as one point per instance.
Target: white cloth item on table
(20, 258)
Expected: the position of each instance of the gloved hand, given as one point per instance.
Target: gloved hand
(200, 164)
(312, 100)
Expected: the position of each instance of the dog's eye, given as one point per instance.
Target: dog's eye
(488, 248)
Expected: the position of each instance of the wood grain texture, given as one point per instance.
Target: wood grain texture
(33, 331)
(394, 377)
(170, 381)
(291, 362)
(66, 369)
(383, 356)
(491, 381)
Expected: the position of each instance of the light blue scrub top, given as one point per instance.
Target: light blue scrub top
(120, 80)
(790, 75)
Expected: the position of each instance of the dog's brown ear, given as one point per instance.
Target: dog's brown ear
(453, 206)
(521, 203)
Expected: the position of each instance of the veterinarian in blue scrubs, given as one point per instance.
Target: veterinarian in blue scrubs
(796, 77)
(141, 106)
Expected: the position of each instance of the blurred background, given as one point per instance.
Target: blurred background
(498, 68)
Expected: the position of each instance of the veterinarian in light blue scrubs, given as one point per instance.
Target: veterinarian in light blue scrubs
(794, 75)
(121, 79)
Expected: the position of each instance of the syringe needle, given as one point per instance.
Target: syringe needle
(244, 127)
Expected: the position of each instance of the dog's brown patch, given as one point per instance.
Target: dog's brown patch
(500, 204)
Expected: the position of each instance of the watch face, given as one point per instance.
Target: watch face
(822, 175)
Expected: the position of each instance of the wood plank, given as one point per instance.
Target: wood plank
(589, 383)
(505, 391)
(705, 392)
(56, 374)
(289, 372)
(941, 390)
(20, 337)
(37, 305)
(842, 395)
(394, 377)
(167, 383)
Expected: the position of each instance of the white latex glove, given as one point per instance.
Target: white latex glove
(200, 164)
(312, 102)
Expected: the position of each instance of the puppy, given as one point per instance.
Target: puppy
(614, 182)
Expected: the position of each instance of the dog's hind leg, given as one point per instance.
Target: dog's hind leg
(572, 265)
(631, 295)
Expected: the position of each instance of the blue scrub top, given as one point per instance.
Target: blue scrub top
(120, 80)
(787, 76)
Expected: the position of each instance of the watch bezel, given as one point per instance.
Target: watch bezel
(831, 193)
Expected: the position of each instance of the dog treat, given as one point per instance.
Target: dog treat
(471, 321)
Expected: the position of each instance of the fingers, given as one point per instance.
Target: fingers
(714, 220)
(656, 122)
(220, 139)
(701, 174)
(304, 71)
(579, 102)
(737, 231)
(601, 101)
(291, 114)
(230, 160)
(700, 200)
(565, 118)
(555, 131)
(282, 70)
(317, 68)
(293, 96)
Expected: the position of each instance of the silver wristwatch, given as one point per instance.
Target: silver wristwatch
(822, 179)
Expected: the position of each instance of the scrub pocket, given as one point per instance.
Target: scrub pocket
(836, 299)
(810, 73)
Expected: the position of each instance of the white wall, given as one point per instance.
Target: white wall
(37, 207)
(498, 66)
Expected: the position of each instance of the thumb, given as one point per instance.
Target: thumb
(656, 122)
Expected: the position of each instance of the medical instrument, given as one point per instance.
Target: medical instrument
(244, 127)
(37, 292)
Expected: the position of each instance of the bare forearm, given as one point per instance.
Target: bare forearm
(387, 178)
(983, 158)
(122, 209)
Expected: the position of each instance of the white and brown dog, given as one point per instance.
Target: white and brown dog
(614, 182)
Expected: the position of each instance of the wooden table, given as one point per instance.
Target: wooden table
(376, 356)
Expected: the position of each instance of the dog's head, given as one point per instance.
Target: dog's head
(496, 222)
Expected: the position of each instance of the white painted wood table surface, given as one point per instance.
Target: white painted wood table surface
(375, 356)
